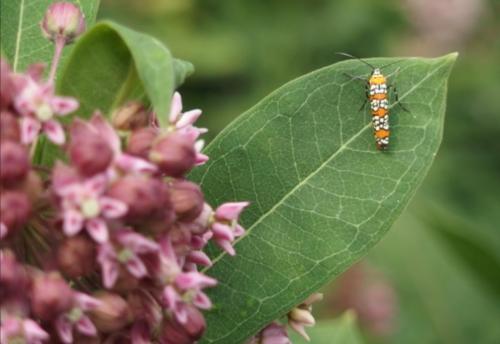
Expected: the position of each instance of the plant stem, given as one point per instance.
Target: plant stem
(59, 45)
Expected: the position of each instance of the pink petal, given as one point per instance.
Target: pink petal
(86, 327)
(140, 333)
(64, 329)
(226, 246)
(202, 301)
(97, 184)
(110, 273)
(200, 258)
(136, 242)
(86, 302)
(222, 231)
(54, 132)
(112, 208)
(175, 107)
(136, 267)
(130, 163)
(238, 231)
(3, 230)
(201, 159)
(194, 279)
(73, 222)
(299, 328)
(188, 118)
(63, 105)
(30, 128)
(106, 131)
(33, 332)
(97, 229)
(231, 210)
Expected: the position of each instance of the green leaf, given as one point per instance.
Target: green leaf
(112, 64)
(342, 330)
(321, 194)
(21, 37)
(440, 299)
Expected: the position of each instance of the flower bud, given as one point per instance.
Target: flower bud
(9, 127)
(63, 20)
(14, 279)
(14, 162)
(174, 154)
(63, 175)
(113, 313)
(130, 116)
(76, 256)
(145, 197)
(187, 200)
(89, 151)
(50, 296)
(175, 333)
(140, 142)
(15, 209)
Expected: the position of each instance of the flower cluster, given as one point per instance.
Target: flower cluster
(106, 245)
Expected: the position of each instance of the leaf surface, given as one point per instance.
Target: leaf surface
(321, 194)
(21, 37)
(112, 64)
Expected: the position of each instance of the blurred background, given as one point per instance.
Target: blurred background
(435, 278)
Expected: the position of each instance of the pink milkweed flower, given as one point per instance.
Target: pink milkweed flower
(179, 120)
(84, 206)
(225, 228)
(273, 333)
(76, 319)
(132, 246)
(123, 161)
(300, 316)
(14, 328)
(183, 288)
(37, 104)
(63, 20)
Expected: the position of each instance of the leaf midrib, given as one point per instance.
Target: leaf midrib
(313, 173)
(18, 36)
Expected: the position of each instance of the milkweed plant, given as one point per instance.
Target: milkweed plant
(117, 226)
(125, 227)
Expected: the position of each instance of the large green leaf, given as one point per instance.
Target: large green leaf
(321, 193)
(111, 64)
(342, 330)
(21, 37)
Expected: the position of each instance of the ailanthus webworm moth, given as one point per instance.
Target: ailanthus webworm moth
(377, 93)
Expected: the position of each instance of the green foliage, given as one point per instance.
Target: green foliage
(342, 330)
(111, 64)
(440, 299)
(321, 194)
(22, 40)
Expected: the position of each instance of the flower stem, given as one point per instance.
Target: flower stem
(59, 45)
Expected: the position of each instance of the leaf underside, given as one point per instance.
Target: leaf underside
(321, 194)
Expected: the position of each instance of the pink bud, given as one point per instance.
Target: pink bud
(15, 209)
(146, 198)
(89, 151)
(175, 333)
(63, 20)
(50, 296)
(9, 127)
(130, 116)
(76, 256)
(14, 279)
(174, 154)
(14, 162)
(230, 211)
(112, 314)
(187, 200)
(63, 175)
(141, 141)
